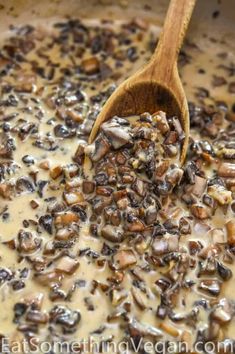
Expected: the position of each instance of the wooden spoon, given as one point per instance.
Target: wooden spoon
(157, 86)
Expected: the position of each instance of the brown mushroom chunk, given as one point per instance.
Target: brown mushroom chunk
(90, 65)
(161, 121)
(49, 278)
(124, 259)
(117, 134)
(200, 211)
(73, 197)
(134, 224)
(230, 227)
(28, 242)
(143, 330)
(67, 265)
(139, 298)
(222, 312)
(66, 218)
(139, 187)
(65, 318)
(117, 296)
(112, 216)
(36, 316)
(6, 190)
(220, 194)
(210, 286)
(168, 243)
(88, 187)
(199, 186)
(226, 169)
(112, 233)
(101, 147)
(56, 171)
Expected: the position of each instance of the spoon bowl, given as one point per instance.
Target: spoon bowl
(157, 86)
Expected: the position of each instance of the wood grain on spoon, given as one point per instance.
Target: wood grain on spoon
(157, 86)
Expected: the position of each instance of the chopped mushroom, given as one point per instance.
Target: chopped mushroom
(226, 169)
(118, 135)
(200, 211)
(230, 226)
(67, 265)
(211, 286)
(27, 242)
(66, 318)
(124, 259)
(112, 233)
(73, 197)
(139, 298)
(220, 194)
(90, 65)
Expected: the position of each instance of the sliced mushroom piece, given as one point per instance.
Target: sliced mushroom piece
(199, 186)
(220, 194)
(134, 224)
(46, 221)
(34, 204)
(123, 203)
(174, 176)
(34, 300)
(49, 278)
(66, 218)
(184, 226)
(67, 265)
(161, 122)
(104, 191)
(6, 190)
(226, 170)
(79, 155)
(124, 259)
(222, 312)
(66, 318)
(200, 211)
(169, 329)
(90, 66)
(224, 272)
(65, 234)
(162, 167)
(230, 227)
(101, 148)
(168, 243)
(210, 286)
(7, 146)
(139, 298)
(218, 236)
(88, 187)
(117, 296)
(28, 242)
(56, 172)
(116, 315)
(118, 135)
(143, 330)
(24, 185)
(73, 197)
(112, 234)
(151, 215)
(139, 187)
(36, 316)
(99, 203)
(61, 131)
(112, 216)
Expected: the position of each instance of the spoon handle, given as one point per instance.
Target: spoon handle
(172, 36)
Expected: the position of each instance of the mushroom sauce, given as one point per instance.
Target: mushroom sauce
(113, 240)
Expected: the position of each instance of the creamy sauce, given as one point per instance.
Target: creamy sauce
(19, 209)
